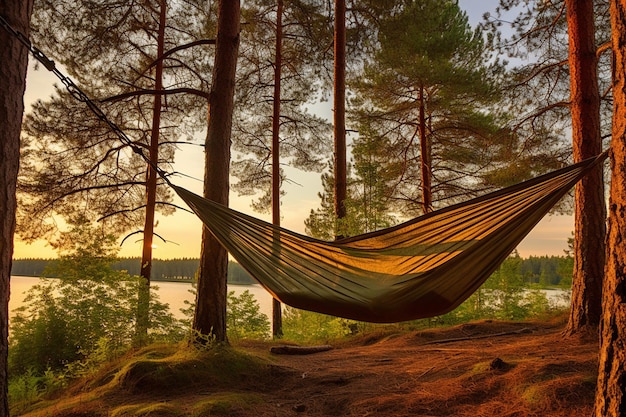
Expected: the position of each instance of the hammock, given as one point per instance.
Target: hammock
(422, 268)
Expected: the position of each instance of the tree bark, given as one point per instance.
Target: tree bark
(210, 314)
(339, 122)
(590, 210)
(611, 387)
(14, 59)
(277, 318)
(425, 151)
(143, 305)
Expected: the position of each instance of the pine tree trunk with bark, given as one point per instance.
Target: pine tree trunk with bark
(425, 160)
(590, 210)
(143, 304)
(611, 387)
(277, 317)
(339, 115)
(14, 63)
(210, 314)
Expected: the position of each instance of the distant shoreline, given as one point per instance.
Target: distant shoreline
(163, 270)
(182, 281)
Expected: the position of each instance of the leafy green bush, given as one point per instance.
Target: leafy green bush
(89, 308)
(308, 326)
(506, 295)
(244, 318)
(28, 387)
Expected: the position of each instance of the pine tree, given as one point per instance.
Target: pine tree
(430, 91)
(368, 205)
(303, 135)
(210, 313)
(558, 88)
(134, 84)
(112, 52)
(589, 209)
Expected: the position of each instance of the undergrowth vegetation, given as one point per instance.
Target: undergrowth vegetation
(70, 326)
(464, 370)
(158, 369)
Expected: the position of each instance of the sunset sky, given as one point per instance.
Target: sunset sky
(183, 229)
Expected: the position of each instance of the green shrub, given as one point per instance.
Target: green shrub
(86, 314)
(28, 387)
(244, 318)
(308, 326)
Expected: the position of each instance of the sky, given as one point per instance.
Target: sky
(183, 230)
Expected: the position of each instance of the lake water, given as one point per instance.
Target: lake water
(176, 293)
(172, 293)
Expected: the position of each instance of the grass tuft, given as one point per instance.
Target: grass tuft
(163, 371)
(159, 409)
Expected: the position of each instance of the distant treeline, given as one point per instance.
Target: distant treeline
(162, 269)
(548, 271)
(542, 270)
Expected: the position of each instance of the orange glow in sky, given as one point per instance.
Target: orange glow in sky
(184, 229)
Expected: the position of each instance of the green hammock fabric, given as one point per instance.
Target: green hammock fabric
(422, 268)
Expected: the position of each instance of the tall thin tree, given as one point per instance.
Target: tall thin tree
(127, 44)
(141, 57)
(14, 58)
(277, 320)
(210, 314)
(143, 305)
(303, 143)
(339, 121)
(589, 210)
(567, 40)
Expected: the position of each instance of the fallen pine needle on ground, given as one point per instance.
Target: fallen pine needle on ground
(487, 368)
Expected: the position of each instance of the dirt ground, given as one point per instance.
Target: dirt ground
(478, 369)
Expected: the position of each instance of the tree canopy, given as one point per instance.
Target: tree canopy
(111, 50)
(431, 91)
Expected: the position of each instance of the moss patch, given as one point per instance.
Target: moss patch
(146, 410)
(224, 404)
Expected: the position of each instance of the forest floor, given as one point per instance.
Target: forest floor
(487, 368)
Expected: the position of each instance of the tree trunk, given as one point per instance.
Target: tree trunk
(143, 305)
(340, 114)
(277, 319)
(210, 314)
(590, 210)
(611, 387)
(14, 59)
(427, 192)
